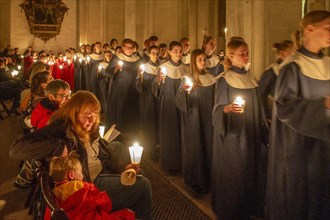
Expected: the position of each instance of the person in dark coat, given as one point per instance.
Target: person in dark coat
(95, 59)
(268, 79)
(75, 126)
(148, 102)
(240, 139)
(298, 183)
(164, 87)
(195, 99)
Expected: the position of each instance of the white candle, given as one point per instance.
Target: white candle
(61, 67)
(135, 152)
(64, 58)
(69, 61)
(75, 57)
(14, 73)
(189, 83)
(240, 102)
(164, 71)
(19, 67)
(142, 68)
(101, 130)
(99, 67)
(88, 58)
(80, 59)
(120, 63)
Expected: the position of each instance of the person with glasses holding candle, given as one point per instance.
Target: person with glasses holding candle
(123, 103)
(298, 181)
(75, 126)
(240, 139)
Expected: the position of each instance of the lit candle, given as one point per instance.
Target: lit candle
(101, 130)
(189, 83)
(80, 59)
(74, 57)
(99, 67)
(164, 71)
(135, 152)
(14, 73)
(120, 63)
(19, 67)
(61, 67)
(240, 102)
(64, 58)
(22, 56)
(142, 68)
(69, 61)
(88, 58)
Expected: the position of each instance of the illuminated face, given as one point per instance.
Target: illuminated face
(87, 118)
(200, 61)
(97, 48)
(321, 33)
(128, 49)
(176, 53)
(211, 46)
(240, 57)
(61, 97)
(186, 46)
(163, 52)
(114, 44)
(78, 175)
(154, 55)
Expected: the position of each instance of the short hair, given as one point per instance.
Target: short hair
(127, 41)
(59, 167)
(152, 47)
(55, 85)
(173, 44)
(162, 45)
(286, 44)
(183, 39)
(153, 38)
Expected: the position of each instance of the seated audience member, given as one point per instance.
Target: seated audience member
(57, 94)
(75, 126)
(79, 199)
(10, 88)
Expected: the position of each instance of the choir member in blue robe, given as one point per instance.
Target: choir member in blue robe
(268, 79)
(104, 78)
(123, 104)
(213, 62)
(185, 42)
(95, 59)
(298, 184)
(165, 88)
(240, 139)
(195, 99)
(148, 102)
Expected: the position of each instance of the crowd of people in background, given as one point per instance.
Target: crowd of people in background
(199, 114)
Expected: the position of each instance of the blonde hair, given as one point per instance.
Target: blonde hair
(231, 47)
(311, 18)
(69, 113)
(60, 166)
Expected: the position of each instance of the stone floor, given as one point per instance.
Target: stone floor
(9, 130)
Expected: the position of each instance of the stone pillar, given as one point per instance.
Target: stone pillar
(130, 22)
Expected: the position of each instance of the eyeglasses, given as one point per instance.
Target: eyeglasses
(64, 96)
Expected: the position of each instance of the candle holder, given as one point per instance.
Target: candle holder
(189, 82)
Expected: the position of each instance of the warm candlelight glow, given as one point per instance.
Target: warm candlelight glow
(88, 58)
(240, 102)
(61, 67)
(101, 130)
(75, 57)
(164, 71)
(135, 152)
(19, 67)
(120, 63)
(142, 68)
(189, 83)
(99, 67)
(80, 59)
(64, 58)
(69, 61)
(14, 73)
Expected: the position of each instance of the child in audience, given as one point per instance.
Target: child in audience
(80, 200)
(57, 94)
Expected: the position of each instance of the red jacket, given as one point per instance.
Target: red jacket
(91, 204)
(42, 112)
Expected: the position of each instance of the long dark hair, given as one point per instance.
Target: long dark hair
(194, 71)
